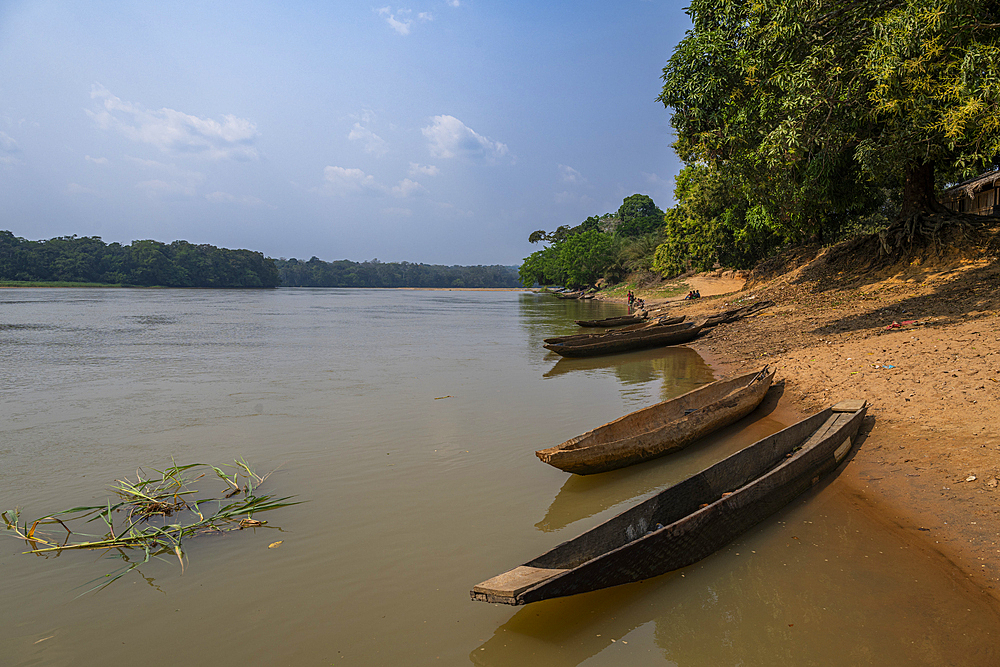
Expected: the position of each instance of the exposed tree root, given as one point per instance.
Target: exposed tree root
(936, 229)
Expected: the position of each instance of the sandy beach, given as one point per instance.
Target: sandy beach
(922, 346)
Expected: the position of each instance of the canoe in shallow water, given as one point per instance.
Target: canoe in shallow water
(620, 321)
(662, 428)
(614, 342)
(645, 325)
(690, 520)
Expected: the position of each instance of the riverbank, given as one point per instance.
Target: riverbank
(922, 346)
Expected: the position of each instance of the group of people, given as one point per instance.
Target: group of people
(634, 303)
(693, 294)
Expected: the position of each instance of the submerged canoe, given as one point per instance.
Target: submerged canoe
(612, 342)
(645, 325)
(608, 322)
(662, 428)
(690, 520)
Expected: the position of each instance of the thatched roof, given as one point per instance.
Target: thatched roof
(970, 187)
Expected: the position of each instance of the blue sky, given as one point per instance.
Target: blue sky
(438, 131)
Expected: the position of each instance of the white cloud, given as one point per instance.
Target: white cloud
(570, 175)
(449, 137)
(175, 132)
(219, 197)
(343, 182)
(423, 169)
(96, 160)
(406, 187)
(10, 151)
(399, 212)
(454, 3)
(373, 143)
(400, 20)
(158, 189)
(184, 178)
(77, 189)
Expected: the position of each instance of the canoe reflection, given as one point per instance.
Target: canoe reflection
(681, 368)
(585, 496)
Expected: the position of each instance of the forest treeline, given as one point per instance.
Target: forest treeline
(345, 273)
(87, 259)
(808, 121)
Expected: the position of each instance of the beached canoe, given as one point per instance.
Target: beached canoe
(662, 428)
(690, 520)
(613, 342)
(609, 322)
(645, 325)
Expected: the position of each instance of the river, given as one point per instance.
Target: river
(406, 421)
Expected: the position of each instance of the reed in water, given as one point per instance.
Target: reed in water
(154, 514)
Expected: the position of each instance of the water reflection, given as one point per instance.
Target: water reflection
(542, 315)
(791, 591)
(583, 496)
(680, 368)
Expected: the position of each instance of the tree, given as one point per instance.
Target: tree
(934, 65)
(712, 222)
(814, 106)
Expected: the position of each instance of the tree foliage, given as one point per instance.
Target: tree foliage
(604, 246)
(813, 108)
(144, 263)
(712, 223)
(345, 273)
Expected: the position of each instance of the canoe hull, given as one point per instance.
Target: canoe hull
(699, 515)
(645, 325)
(612, 321)
(662, 428)
(612, 343)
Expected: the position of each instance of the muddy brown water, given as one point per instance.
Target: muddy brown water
(411, 498)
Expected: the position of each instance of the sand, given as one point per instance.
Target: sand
(922, 346)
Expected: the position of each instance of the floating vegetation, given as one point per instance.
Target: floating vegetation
(153, 515)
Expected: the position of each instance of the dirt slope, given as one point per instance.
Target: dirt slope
(921, 342)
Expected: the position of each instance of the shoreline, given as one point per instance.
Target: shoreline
(929, 464)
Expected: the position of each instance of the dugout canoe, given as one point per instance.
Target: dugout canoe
(613, 342)
(645, 325)
(609, 322)
(662, 428)
(690, 520)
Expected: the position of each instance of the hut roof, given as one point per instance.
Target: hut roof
(977, 184)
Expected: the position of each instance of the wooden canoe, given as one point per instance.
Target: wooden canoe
(645, 325)
(613, 342)
(690, 520)
(609, 322)
(662, 428)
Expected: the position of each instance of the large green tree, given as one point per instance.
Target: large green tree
(812, 107)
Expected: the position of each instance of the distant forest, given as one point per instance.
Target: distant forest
(88, 259)
(344, 273)
(148, 263)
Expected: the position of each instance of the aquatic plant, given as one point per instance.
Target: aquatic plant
(153, 515)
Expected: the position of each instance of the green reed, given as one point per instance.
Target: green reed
(153, 515)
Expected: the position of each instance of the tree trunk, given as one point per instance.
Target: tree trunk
(922, 217)
(918, 192)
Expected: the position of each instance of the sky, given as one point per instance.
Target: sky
(434, 131)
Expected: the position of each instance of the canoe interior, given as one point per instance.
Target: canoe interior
(683, 498)
(695, 517)
(612, 321)
(589, 339)
(665, 413)
(633, 340)
(642, 326)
